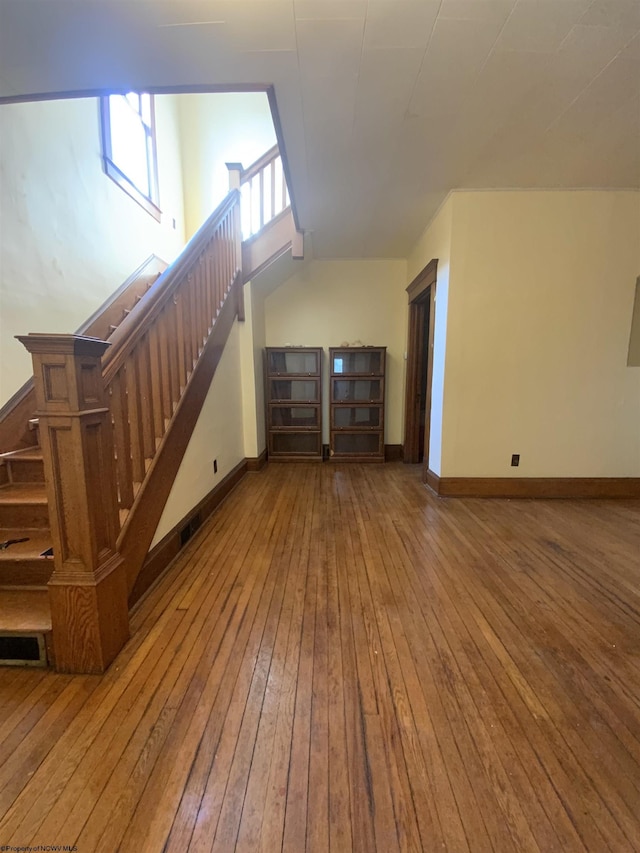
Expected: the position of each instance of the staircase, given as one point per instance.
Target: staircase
(26, 547)
(24, 568)
(115, 418)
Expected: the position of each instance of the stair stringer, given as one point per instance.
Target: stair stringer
(271, 242)
(142, 520)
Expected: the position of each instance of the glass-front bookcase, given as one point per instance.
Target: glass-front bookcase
(293, 386)
(357, 383)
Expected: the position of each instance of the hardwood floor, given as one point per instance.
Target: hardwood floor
(342, 661)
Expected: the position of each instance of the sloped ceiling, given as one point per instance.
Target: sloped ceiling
(385, 105)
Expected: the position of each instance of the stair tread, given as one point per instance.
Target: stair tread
(23, 493)
(31, 453)
(39, 540)
(25, 611)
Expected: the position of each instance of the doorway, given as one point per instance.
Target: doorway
(422, 292)
(425, 359)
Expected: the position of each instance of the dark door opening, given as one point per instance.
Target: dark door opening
(422, 293)
(423, 377)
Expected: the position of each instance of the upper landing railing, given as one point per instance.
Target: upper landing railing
(263, 189)
(267, 220)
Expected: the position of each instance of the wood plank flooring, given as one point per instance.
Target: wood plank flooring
(342, 661)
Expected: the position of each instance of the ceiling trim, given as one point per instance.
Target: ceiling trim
(194, 89)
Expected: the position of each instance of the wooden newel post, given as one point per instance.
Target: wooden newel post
(235, 175)
(88, 588)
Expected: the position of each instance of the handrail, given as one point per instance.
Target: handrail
(259, 165)
(137, 323)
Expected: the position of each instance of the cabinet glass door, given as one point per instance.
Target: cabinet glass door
(302, 390)
(296, 417)
(357, 390)
(279, 363)
(357, 443)
(358, 362)
(365, 417)
(302, 443)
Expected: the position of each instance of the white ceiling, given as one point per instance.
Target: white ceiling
(385, 105)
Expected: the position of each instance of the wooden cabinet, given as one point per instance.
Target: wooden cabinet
(357, 403)
(293, 390)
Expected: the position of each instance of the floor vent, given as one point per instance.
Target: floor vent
(189, 529)
(22, 650)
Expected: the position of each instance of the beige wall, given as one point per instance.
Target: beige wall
(259, 343)
(634, 334)
(218, 434)
(252, 343)
(539, 308)
(69, 235)
(215, 129)
(435, 242)
(332, 302)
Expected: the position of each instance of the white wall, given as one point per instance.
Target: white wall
(435, 243)
(216, 129)
(218, 434)
(69, 235)
(332, 302)
(540, 300)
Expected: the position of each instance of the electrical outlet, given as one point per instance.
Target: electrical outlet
(215, 466)
(515, 460)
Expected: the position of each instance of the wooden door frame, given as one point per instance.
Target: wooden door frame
(421, 291)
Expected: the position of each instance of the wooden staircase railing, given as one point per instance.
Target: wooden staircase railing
(268, 225)
(154, 350)
(114, 427)
(264, 191)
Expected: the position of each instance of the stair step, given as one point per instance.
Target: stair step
(25, 627)
(34, 428)
(21, 564)
(34, 452)
(25, 610)
(24, 466)
(23, 505)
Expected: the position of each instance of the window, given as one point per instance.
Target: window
(129, 147)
